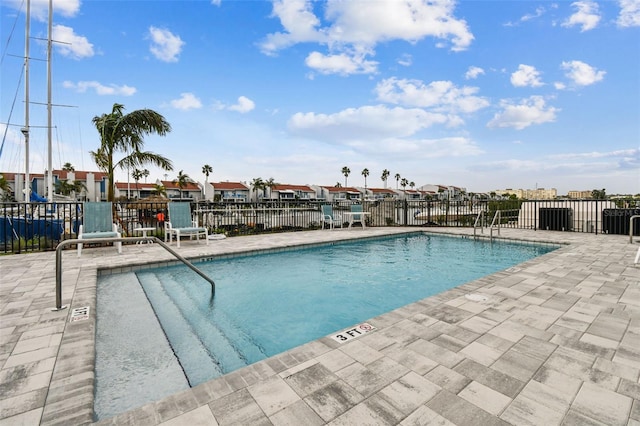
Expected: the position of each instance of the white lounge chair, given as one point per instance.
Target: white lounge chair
(97, 223)
(328, 217)
(180, 223)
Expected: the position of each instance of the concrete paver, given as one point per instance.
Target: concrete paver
(555, 340)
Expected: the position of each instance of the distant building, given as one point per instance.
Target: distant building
(286, 192)
(579, 195)
(235, 192)
(529, 194)
(191, 190)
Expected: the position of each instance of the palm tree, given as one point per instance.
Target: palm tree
(182, 180)
(124, 133)
(137, 174)
(206, 170)
(338, 185)
(345, 172)
(403, 183)
(258, 184)
(365, 173)
(68, 167)
(397, 176)
(159, 189)
(145, 173)
(412, 184)
(270, 183)
(5, 187)
(385, 175)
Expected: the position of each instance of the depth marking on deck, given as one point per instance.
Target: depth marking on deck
(352, 333)
(79, 314)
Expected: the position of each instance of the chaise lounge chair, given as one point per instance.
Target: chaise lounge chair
(97, 223)
(180, 223)
(329, 218)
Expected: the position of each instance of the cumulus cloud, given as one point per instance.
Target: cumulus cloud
(532, 110)
(526, 75)
(587, 15)
(364, 123)
(71, 45)
(340, 64)
(441, 96)
(244, 105)
(581, 73)
(473, 72)
(165, 46)
(629, 13)
(186, 102)
(358, 26)
(100, 89)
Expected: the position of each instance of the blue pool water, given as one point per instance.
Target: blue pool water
(268, 303)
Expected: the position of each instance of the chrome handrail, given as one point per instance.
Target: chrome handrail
(117, 240)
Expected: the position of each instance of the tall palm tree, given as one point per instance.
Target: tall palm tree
(137, 174)
(182, 180)
(345, 172)
(206, 170)
(403, 183)
(270, 183)
(365, 173)
(146, 174)
(124, 133)
(397, 176)
(385, 175)
(258, 184)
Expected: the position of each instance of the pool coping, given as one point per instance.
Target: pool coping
(68, 397)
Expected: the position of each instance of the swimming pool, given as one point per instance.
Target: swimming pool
(268, 303)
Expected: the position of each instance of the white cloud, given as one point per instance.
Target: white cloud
(559, 85)
(216, 2)
(186, 102)
(244, 105)
(473, 72)
(441, 96)
(71, 44)
(355, 27)
(587, 15)
(629, 13)
(364, 123)
(532, 110)
(40, 8)
(100, 89)
(405, 60)
(526, 75)
(581, 73)
(165, 46)
(340, 64)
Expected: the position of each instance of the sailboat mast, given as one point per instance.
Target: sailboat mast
(49, 144)
(25, 129)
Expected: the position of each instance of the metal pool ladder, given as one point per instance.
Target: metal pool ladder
(116, 240)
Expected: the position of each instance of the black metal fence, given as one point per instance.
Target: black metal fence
(26, 227)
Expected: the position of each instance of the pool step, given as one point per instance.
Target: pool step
(190, 350)
(228, 346)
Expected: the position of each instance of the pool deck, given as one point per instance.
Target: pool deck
(557, 341)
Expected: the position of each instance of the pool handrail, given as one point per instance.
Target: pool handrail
(156, 240)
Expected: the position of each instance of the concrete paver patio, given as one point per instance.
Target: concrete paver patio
(557, 341)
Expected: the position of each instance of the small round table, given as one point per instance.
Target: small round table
(144, 234)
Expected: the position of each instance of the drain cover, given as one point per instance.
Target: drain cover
(476, 297)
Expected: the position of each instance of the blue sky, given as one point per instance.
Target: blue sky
(478, 94)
